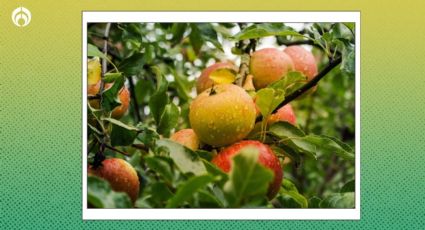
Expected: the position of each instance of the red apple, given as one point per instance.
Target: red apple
(120, 174)
(267, 158)
(269, 65)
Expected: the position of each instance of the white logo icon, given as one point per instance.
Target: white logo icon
(21, 17)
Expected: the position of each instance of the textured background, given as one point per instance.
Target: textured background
(40, 114)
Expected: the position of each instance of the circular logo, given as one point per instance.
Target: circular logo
(21, 16)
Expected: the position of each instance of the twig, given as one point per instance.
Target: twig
(299, 42)
(134, 99)
(99, 156)
(243, 69)
(332, 64)
(116, 150)
(104, 61)
(140, 146)
(93, 97)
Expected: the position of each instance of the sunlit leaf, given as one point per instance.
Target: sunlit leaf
(223, 75)
(264, 30)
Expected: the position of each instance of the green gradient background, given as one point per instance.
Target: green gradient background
(40, 122)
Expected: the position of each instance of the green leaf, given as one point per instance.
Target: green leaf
(268, 99)
(132, 65)
(289, 83)
(110, 98)
(209, 34)
(182, 85)
(284, 129)
(160, 193)
(220, 176)
(121, 134)
(148, 136)
(149, 54)
(169, 119)
(286, 151)
(264, 30)
(160, 166)
(248, 179)
(143, 202)
(208, 200)
(290, 197)
(100, 195)
(339, 200)
(201, 33)
(178, 30)
(313, 145)
(195, 38)
(93, 51)
(185, 159)
(121, 124)
(187, 189)
(348, 61)
(206, 155)
(159, 99)
(314, 202)
(144, 89)
(350, 25)
(111, 77)
(348, 187)
(325, 145)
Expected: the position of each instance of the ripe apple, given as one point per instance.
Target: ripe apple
(186, 137)
(269, 65)
(304, 62)
(120, 174)
(266, 158)
(204, 82)
(123, 95)
(222, 115)
(285, 113)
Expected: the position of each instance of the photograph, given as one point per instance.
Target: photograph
(220, 115)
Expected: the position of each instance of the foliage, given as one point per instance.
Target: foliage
(160, 62)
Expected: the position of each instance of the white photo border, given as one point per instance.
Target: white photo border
(221, 214)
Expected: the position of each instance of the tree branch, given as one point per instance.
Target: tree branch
(299, 42)
(116, 150)
(332, 64)
(243, 69)
(104, 62)
(134, 99)
(99, 156)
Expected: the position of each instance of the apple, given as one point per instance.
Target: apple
(269, 65)
(266, 157)
(222, 115)
(186, 137)
(304, 62)
(123, 95)
(285, 113)
(120, 174)
(204, 82)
